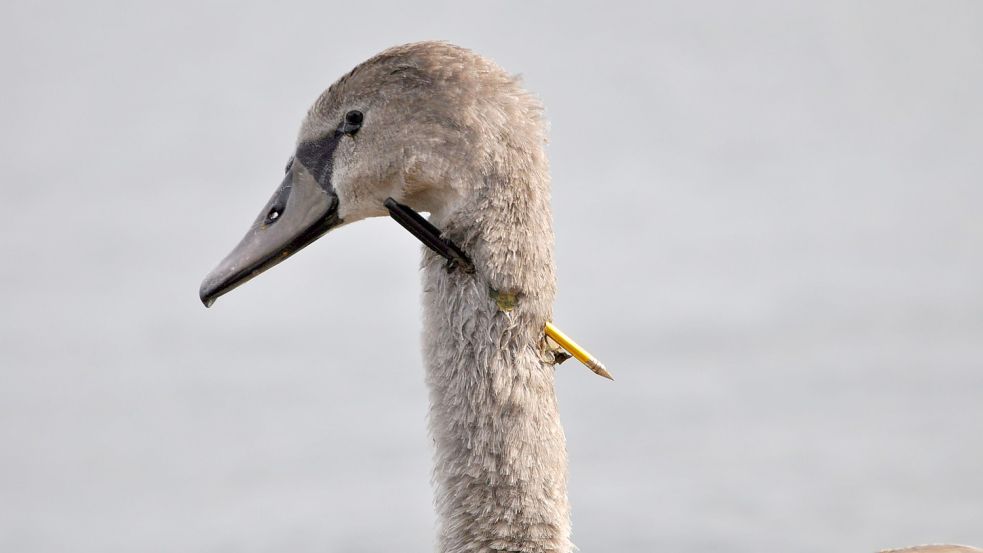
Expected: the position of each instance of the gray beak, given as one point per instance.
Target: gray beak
(300, 212)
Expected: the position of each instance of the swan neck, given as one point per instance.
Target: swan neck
(500, 453)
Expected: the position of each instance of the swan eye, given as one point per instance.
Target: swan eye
(354, 118)
(353, 122)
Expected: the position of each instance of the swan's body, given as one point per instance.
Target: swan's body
(442, 130)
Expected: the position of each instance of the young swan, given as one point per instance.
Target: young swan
(442, 130)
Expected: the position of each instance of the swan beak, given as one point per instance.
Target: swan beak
(300, 212)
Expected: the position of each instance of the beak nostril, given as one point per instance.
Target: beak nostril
(273, 215)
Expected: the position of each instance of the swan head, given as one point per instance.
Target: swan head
(412, 123)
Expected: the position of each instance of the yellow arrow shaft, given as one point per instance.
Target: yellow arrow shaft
(575, 350)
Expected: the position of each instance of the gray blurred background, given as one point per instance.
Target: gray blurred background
(768, 222)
